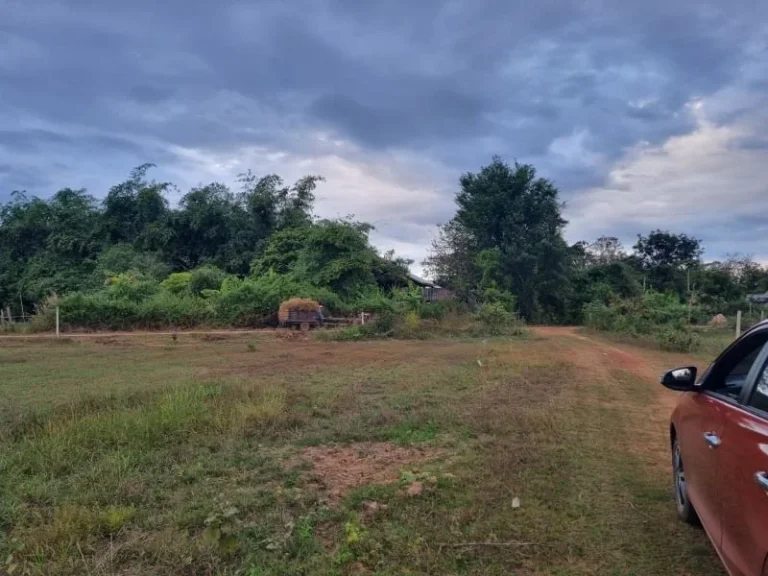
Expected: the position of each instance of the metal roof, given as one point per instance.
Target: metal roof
(421, 281)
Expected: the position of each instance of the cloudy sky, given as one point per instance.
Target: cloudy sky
(646, 114)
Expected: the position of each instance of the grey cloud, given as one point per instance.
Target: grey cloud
(451, 83)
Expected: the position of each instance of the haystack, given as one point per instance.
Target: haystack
(718, 321)
(296, 304)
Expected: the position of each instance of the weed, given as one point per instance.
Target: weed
(407, 432)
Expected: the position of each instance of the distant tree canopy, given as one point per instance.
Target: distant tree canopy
(503, 247)
(72, 242)
(507, 235)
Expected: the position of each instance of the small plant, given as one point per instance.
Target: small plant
(221, 528)
(175, 337)
(251, 346)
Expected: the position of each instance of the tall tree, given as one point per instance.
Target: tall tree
(665, 249)
(136, 211)
(509, 224)
(666, 258)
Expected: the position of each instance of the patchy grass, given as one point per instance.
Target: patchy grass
(219, 456)
(710, 342)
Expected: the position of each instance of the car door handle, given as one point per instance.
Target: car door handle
(712, 439)
(762, 480)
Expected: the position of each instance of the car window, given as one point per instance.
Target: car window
(729, 373)
(759, 398)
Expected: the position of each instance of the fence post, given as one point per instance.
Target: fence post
(57, 321)
(738, 323)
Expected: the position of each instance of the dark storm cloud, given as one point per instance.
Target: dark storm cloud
(567, 85)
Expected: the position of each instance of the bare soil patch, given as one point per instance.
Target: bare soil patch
(341, 469)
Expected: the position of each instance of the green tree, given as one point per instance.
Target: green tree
(665, 258)
(136, 211)
(68, 258)
(664, 249)
(508, 210)
(281, 252)
(337, 255)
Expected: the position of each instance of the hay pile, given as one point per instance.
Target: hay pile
(296, 304)
(718, 321)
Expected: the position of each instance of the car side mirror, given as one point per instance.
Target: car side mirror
(680, 379)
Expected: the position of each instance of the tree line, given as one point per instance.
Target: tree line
(507, 238)
(73, 243)
(219, 249)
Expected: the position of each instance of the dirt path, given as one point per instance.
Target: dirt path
(599, 354)
(645, 405)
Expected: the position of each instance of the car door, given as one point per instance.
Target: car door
(744, 479)
(702, 415)
(701, 428)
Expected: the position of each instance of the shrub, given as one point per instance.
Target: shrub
(495, 320)
(374, 300)
(492, 295)
(409, 326)
(167, 310)
(134, 287)
(599, 316)
(177, 283)
(383, 323)
(637, 316)
(256, 301)
(205, 278)
(677, 339)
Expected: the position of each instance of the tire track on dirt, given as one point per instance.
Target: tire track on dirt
(646, 422)
(601, 356)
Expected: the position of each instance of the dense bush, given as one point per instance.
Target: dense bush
(132, 287)
(98, 311)
(131, 302)
(677, 339)
(255, 301)
(177, 283)
(206, 278)
(492, 319)
(661, 317)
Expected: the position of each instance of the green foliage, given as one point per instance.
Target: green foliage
(177, 283)
(133, 287)
(237, 253)
(281, 252)
(255, 301)
(507, 232)
(637, 315)
(375, 300)
(677, 339)
(661, 317)
(100, 310)
(206, 278)
(383, 323)
(124, 258)
(337, 255)
(496, 320)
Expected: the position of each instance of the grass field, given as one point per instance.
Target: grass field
(249, 454)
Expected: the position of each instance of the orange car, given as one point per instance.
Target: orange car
(719, 439)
